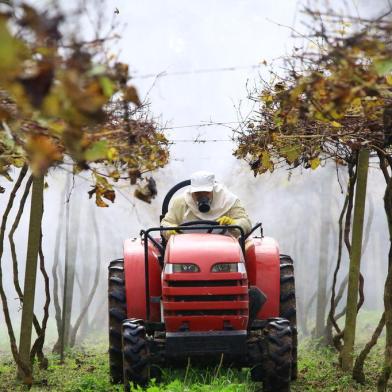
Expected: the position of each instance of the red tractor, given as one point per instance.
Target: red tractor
(191, 298)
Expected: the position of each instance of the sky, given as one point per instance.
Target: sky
(182, 36)
(176, 36)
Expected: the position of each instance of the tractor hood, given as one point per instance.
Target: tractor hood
(210, 248)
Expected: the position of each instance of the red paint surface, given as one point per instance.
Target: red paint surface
(263, 267)
(206, 323)
(239, 290)
(205, 250)
(135, 279)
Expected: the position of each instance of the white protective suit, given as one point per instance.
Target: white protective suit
(224, 203)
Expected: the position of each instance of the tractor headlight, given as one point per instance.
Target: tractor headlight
(181, 267)
(229, 267)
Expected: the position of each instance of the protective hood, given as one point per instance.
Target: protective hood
(222, 201)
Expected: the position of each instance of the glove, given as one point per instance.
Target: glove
(171, 232)
(226, 220)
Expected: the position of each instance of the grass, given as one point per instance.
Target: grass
(319, 370)
(86, 369)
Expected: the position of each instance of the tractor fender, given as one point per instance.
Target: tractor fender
(134, 275)
(263, 268)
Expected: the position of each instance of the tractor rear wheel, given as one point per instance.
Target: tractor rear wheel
(135, 354)
(277, 360)
(288, 305)
(117, 314)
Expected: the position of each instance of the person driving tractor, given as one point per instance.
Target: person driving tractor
(207, 199)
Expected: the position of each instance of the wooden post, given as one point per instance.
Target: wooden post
(33, 242)
(355, 261)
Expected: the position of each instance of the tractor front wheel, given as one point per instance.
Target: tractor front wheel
(277, 360)
(135, 354)
(117, 314)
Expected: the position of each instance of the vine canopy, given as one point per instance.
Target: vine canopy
(64, 101)
(334, 99)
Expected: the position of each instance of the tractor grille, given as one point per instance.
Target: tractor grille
(193, 298)
(212, 312)
(205, 297)
(202, 283)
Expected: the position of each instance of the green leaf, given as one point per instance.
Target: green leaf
(8, 50)
(107, 86)
(314, 163)
(336, 124)
(266, 161)
(18, 162)
(97, 151)
(51, 105)
(291, 153)
(6, 140)
(153, 388)
(113, 154)
(383, 66)
(98, 69)
(102, 182)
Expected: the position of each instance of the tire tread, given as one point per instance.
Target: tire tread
(117, 314)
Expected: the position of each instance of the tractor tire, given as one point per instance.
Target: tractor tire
(135, 354)
(288, 305)
(117, 314)
(277, 361)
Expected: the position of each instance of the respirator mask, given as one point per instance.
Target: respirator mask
(204, 204)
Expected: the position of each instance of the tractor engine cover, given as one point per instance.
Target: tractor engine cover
(204, 284)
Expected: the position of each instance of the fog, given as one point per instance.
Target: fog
(180, 39)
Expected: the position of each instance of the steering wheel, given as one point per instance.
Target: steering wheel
(204, 222)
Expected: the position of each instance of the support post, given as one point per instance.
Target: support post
(34, 238)
(355, 261)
